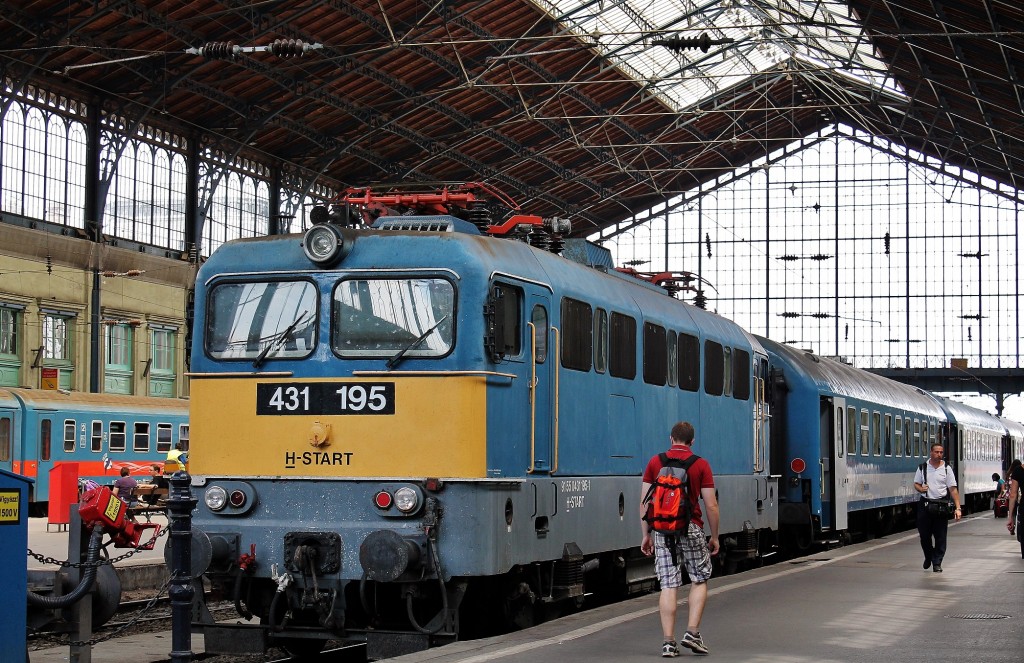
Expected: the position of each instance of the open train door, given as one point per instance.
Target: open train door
(838, 485)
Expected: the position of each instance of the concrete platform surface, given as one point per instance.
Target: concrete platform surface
(863, 603)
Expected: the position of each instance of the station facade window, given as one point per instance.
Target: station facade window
(58, 344)
(162, 342)
(118, 375)
(10, 347)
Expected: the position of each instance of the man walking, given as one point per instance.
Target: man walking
(937, 481)
(688, 547)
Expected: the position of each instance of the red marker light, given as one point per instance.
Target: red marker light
(798, 465)
(236, 499)
(382, 500)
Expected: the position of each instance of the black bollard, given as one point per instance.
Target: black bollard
(179, 515)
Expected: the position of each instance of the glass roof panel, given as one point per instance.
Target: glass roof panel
(766, 35)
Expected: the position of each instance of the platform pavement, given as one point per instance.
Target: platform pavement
(862, 603)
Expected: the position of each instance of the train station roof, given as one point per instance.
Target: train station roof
(594, 110)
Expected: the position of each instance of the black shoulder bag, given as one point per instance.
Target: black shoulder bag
(940, 508)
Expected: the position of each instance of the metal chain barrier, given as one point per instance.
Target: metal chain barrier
(44, 635)
(97, 563)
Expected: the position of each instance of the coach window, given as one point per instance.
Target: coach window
(44, 439)
(183, 436)
(140, 438)
(118, 433)
(876, 434)
(865, 445)
(673, 361)
(689, 362)
(741, 375)
(899, 436)
(622, 347)
(714, 365)
(276, 320)
(600, 340)
(383, 317)
(69, 435)
(163, 437)
(851, 431)
(5, 439)
(887, 434)
(907, 438)
(917, 438)
(96, 439)
(655, 354)
(577, 334)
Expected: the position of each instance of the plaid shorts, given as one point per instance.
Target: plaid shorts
(691, 552)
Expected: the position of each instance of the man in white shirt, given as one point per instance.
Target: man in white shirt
(936, 482)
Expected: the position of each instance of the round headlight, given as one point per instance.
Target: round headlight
(407, 499)
(325, 244)
(216, 498)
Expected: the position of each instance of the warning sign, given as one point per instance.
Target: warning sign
(10, 507)
(50, 379)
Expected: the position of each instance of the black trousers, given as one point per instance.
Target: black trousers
(933, 531)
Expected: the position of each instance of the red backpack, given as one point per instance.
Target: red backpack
(668, 505)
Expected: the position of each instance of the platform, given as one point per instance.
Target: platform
(864, 602)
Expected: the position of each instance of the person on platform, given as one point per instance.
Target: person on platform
(1013, 521)
(176, 459)
(937, 481)
(124, 487)
(691, 550)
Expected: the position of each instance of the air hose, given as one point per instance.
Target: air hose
(86, 583)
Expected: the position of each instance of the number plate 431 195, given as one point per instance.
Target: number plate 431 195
(325, 398)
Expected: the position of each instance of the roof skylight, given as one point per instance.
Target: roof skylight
(768, 35)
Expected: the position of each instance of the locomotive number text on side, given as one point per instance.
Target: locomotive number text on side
(325, 398)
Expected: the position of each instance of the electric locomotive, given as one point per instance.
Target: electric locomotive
(403, 427)
(91, 436)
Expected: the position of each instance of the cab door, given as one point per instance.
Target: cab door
(834, 464)
(543, 359)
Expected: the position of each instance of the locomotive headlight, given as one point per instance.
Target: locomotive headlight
(407, 500)
(326, 244)
(216, 498)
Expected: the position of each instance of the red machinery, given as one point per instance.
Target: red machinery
(100, 505)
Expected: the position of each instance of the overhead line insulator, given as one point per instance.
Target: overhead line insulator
(703, 42)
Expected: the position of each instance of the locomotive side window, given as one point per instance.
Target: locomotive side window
(273, 320)
(118, 435)
(727, 371)
(623, 346)
(44, 439)
(741, 375)
(714, 367)
(69, 435)
(97, 436)
(689, 362)
(539, 318)
(163, 437)
(140, 437)
(600, 340)
(577, 334)
(655, 360)
(503, 321)
(382, 317)
(673, 360)
(5, 439)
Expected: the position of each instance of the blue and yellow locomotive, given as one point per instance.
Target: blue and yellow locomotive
(398, 423)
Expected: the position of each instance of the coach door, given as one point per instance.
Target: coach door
(834, 466)
(542, 340)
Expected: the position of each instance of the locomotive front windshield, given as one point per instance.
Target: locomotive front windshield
(275, 319)
(382, 317)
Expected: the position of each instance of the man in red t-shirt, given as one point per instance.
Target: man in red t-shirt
(692, 550)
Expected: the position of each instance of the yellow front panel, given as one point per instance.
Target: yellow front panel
(438, 428)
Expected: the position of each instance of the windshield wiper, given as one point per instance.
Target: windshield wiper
(401, 353)
(277, 341)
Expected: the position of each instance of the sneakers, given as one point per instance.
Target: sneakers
(694, 643)
(669, 650)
